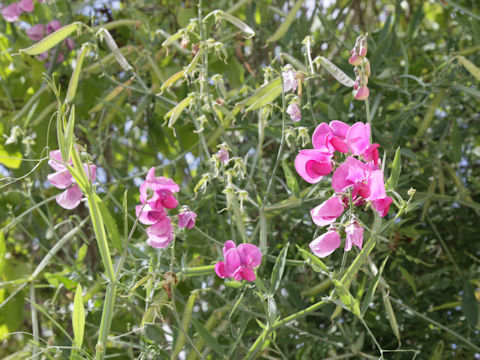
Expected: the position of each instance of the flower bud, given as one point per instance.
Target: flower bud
(362, 93)
(355, 60)
(363, 50)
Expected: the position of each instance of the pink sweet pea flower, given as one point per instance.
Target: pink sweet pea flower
(239, 261)
(325, 244)
(376, 185)
(351, 172)
(331, 137)
(358, 138)
(223, 155)
(362, 93)
(160, 234)
(150, 215)
(186, 219)
(53, 26)
(313, 164)
(11, 12)
(289, 80)
(36, 32)
(382, 205)
(355, 60)
(162, 188)
(354, 234)
(327, 212)
(371, 154)
(62, 179)
(293, 110)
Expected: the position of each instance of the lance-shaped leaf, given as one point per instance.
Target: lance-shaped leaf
(396, 169)
(173, 114)
(247, 30)
(347, 298)
(51, 40)
(338, 74)
(372, 288)
(172, 80)
(391, 315)
(287, 22)
(316, 264)
(278, 269)
(72, 85)
(78, 318)
(172, 38)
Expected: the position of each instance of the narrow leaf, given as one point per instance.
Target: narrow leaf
(347, 298)
(291, 179)
(266, 99)
(110, 224)
(72, 85)
(172, 80)
(396, 169)
(51, 40)
(470, 304)
(173, 115)
(172, 38)
(209, 339)
(278, 269)
(247, 30)
(456, 142)
(187, 315)
(372, 288)
(78, 319)
(437, 100)
(331, 68)
(287, 22)
(391, 315)
(70, 136)
(316, 264)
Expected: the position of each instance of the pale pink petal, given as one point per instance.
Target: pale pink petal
(312, 165)
(327, 212)
(149, 216)
(160, 235)
(349, 173)
(355, 60)
(325, 244)
(376, 185)
(289, 80)
(11, 12)
(36, 32)
(362, 93)
(339, 128)
(382, 205)
(56, 160)
(186, 219)
(354, 236)
(293, 110)
(60, 179)
(26, 5)
(53, 25)
(250, 255)
(358, 138)
(70, 198)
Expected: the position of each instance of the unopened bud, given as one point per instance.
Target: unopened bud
(362, 93)
(355, 60)
(411, 192)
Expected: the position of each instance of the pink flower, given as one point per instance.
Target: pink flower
(354, 234)
(327, 212)
(186, 219)
(363, 50)
(289, 80)
(53, 26)
(382, 205)
(239, 261)
(62, 179)
(313, 164)
(223, 155)
(355, 60)
(160, 234)
(325, 244)
(331, 137)
(12, 12)
(371, 154)
(351, 172)
(294, 111)
(358, 138)
(362, 93)
(36, 32)
(161, 188)
(150, 215)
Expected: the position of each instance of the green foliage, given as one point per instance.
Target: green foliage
(164, 83)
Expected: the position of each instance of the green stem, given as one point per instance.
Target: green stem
(369, 120)
(106, 321)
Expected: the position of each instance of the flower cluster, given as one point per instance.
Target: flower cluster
(290, 82)
(362, 68)
(239, 261)
(357, 181)
(62, 179)
(39, 31)
(157, 195)
(12, 12)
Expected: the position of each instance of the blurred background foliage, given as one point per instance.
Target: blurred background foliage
(424, 98)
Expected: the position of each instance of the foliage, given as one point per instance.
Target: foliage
(168, 84)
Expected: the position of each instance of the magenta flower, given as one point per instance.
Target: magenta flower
(371, 154)
(36, 32)
(150, 215)
(162, 189)
(186, 219)
(382, 205)
(351, 172)
(312, 165)
(325, 244)
(62, 179)
(354, 236)
(289, 80)
(239, 261)
(160, 234)
(12, 12)
(331, 136)
(293, 110)
(327, 212)
(358, 138)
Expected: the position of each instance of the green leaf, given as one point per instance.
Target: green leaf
(471, 67)
(278, 269)
(3, 251)
(456, 142)
(347, 298)
(437, 353)
(51, 40)
(10, 160)
(437, 100)
(78, 318)
(247, 30)
(172, 38)
(396, 169)
(187, 315)
(316, 264)
(82, 252)
(291, 179)
(391, 315)
(287, 22)
(267, 98)
(408, 278)
(173, 115)
(72, 85)
(335, 71)
(172, 80)
(262, 92)
(372, 288)
(110, 224)
(359, 261)
(263, 233)
(470, 304)
(209, 339)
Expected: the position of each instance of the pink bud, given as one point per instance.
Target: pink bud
(354, 236)
(294, 111)
(363, 50)
(355, 60)
(362, 93)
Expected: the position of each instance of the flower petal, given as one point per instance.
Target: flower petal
(60, 179)
(250, 255)
(327, 212)
(325, 244)
(70, 198)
